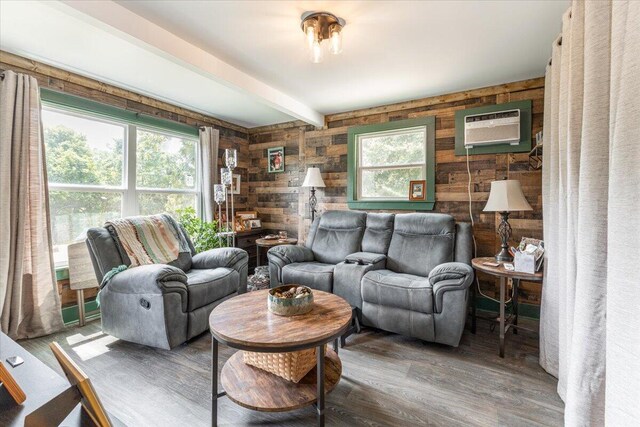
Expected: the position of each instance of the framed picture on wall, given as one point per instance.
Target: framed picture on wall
(418, 190)
(275, 159)
(236, 183)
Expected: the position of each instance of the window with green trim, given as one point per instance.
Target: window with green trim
(384, 158)
(102, 167)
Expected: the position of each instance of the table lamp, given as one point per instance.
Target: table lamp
(313, 180)
(506, 196)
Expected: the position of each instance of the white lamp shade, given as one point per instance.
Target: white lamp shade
(313, 178)
(506, 196)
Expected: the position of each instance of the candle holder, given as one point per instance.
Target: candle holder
(231, 160)
(219, 197)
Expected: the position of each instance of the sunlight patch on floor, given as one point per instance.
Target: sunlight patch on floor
(94, 348)
(78, 338)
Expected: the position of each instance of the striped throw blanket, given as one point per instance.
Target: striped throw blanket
(153, 239)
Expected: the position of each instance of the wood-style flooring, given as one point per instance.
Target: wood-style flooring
(388, 380)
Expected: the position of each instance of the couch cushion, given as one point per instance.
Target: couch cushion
(315, 275)
(377, 235)
(406, 291)
(420, 242)
(339, 233)
(207, 286)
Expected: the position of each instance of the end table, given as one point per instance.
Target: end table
(267, 243)
(504, 274)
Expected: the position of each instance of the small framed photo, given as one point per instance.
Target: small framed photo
(247, 214)
(418, 190)
(254, 223)
(237, 178)
(275, 157)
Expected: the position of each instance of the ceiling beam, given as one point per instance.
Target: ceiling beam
(120, 21)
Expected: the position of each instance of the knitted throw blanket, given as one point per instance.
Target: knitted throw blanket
(153, 239)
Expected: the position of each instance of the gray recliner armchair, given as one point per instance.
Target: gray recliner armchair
(163, 305)
(405, 273)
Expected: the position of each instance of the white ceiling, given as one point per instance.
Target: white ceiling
(393, 50)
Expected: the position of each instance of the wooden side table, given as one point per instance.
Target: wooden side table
(503, 274)
(264, 243)
(81, 275)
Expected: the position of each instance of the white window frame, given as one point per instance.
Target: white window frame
(128, 190)
(131, 170)
(393, 132)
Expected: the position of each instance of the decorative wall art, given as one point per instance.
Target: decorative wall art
(275, 158)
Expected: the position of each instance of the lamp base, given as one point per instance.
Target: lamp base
(504, 231)
(504, 255)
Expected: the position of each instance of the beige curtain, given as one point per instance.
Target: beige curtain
(590, 315)
(29, 301)
(209, 141)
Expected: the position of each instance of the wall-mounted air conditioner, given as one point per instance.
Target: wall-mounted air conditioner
(501, 127)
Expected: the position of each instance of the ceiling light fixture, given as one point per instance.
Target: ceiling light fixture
(319, 26)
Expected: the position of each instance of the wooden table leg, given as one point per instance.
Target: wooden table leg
(502, 320)
(514, 304)
(81, 312)
(257, 255)
(214, 381)
(473, 307)
(320, 384)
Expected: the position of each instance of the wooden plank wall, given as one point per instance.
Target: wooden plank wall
(231, 136)
(282, 204)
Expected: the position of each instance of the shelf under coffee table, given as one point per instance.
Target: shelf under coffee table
(259, 390)
(243, 322)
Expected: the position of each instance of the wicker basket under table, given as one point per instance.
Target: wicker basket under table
(292, 366)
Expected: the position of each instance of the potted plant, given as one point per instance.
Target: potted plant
(203, 233)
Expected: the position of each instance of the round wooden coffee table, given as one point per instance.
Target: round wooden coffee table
(243, 322)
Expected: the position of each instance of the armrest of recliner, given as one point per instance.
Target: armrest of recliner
(288, 254)
(365, 258)
(234, 258)
(279, 256)
(450, 276)
(156, 279)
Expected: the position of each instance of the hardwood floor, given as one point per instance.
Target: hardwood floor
(388, 380)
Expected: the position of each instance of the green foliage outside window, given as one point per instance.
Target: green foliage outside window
(399, 150)
(71, 159)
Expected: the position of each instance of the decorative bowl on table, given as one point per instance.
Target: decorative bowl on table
(271, 237)
(290, 300)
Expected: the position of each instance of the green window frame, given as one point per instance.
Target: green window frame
(429, 123)
(83, 105)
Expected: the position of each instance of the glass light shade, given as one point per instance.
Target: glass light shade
(310, 33)
(335, 39)
(219, 193)
(231, 158)
(316, 52)
(225, 176)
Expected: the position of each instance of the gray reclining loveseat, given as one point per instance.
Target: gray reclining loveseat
(405, 273)
(163, 305)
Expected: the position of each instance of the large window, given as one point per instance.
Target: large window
(389, 160)
(384, 158)
(99, 169)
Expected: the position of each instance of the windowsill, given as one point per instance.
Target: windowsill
(407, 205)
